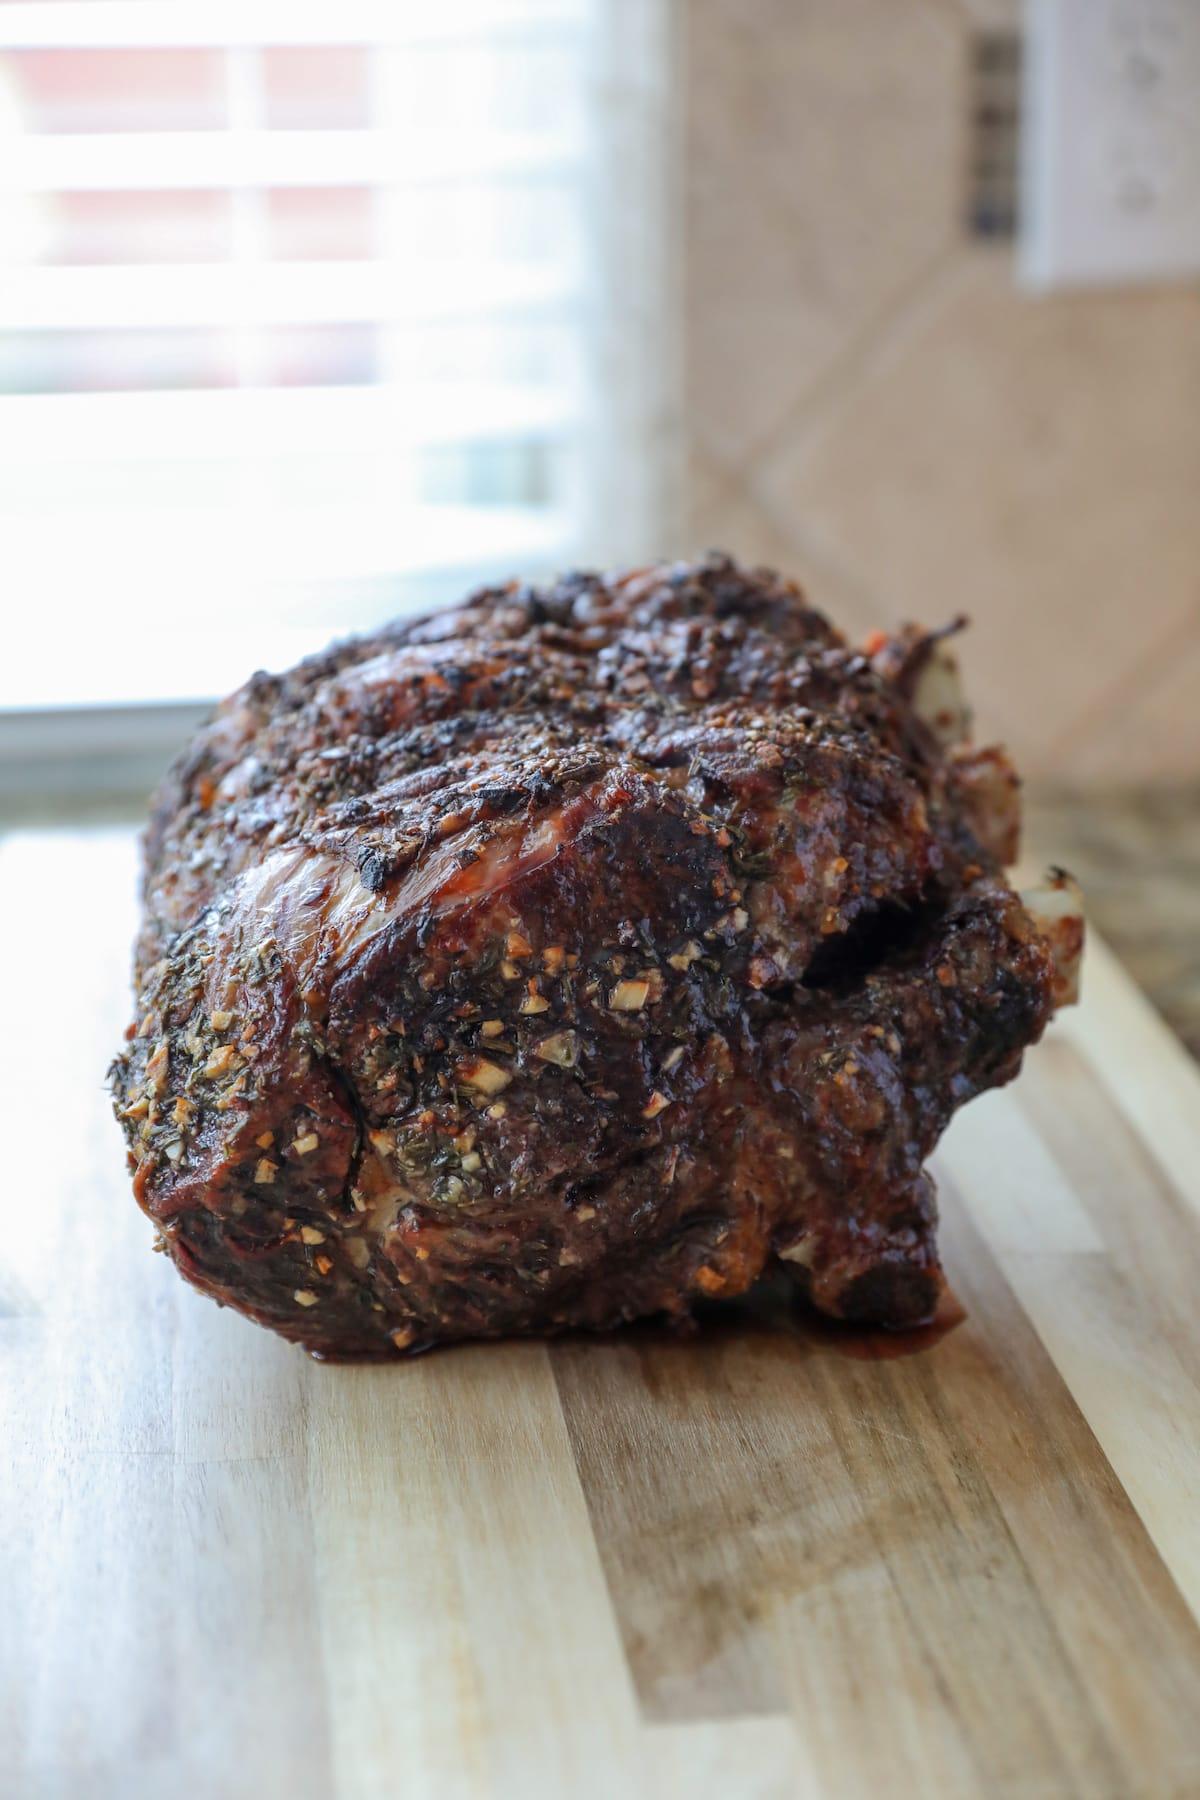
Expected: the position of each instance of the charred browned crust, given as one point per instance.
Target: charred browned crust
(568, 957)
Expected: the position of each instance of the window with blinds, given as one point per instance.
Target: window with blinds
(300, 322)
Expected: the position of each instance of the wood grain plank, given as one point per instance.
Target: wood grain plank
(978, 1665)
(1027, 1201)
(664, 1433)
(754, 1759)
(831, 1514)
(1147, 1227)
(458, 1569)
(85, 1515)
(87, 1615)
(233, 1399)
(397, 1666)
(1145, 1070)
(1110, 1598)
(873, 1712)
(247, 1692)
(914, 1585)
(1105, 1335)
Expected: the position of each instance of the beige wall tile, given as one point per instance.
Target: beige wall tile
(1035, 463)
(992, 15)
(1152, 733)
(704, 482)
(823, 175)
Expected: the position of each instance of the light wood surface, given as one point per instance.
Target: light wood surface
(772, 1559)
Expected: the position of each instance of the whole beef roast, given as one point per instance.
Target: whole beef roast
(572, 956)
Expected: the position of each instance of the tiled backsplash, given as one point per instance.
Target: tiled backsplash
(874, 406)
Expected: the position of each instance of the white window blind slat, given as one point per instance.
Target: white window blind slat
(95, 162)
(323, 542)
(51, 430)
(133, 24)
(305, 313)
(284, 293)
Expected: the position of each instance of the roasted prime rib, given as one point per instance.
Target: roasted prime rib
(572, 956)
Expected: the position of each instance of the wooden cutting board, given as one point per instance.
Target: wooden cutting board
(773, 1559)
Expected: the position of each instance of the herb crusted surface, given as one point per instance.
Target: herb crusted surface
(568, 957)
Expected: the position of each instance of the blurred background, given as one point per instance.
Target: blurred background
(312, 314)
(315, 314)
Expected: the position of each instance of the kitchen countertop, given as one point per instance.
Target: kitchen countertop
(1137, 856)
